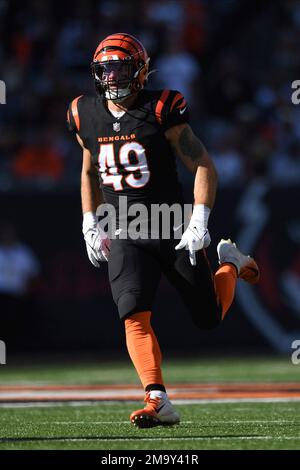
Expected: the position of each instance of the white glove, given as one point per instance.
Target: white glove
(96, 240)
(196, 237)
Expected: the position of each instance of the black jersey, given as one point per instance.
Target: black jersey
(132, 154)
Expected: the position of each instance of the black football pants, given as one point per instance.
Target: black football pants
(135, 268)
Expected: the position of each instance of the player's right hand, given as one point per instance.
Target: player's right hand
(196, 237)
(96, 240)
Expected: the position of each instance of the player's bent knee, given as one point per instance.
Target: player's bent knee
(208, 324)
(209, 320)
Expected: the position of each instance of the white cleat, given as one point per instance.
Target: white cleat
(158, 411)
(246, 266)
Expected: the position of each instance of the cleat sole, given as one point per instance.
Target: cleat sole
(250, 275)
(145, 421)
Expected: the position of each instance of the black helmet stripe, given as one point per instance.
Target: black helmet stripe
(129, 36)
(128, 42)
(114, 48)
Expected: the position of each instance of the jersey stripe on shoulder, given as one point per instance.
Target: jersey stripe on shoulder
(74, 109)
(182, 105)
(177, 98)
(160, 104)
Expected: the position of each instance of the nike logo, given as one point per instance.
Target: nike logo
(182, 110)
(176, 228)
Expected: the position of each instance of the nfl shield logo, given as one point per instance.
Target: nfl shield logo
(116, 126)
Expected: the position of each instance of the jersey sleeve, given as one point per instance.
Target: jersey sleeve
(172, 109)
(73, 116)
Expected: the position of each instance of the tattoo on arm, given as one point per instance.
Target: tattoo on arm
(190, 145)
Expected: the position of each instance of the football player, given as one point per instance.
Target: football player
(130, 138)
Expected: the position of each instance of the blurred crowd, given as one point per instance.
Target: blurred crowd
(233, 60)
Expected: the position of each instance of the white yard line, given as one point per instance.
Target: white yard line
(153, 439)
(204, 438)
(121, 402)
(216, 422)
(232, 400)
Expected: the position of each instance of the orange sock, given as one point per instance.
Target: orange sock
(143, 348)
(225, 282)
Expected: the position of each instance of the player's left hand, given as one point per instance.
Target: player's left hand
(196, 236)
(194, 240)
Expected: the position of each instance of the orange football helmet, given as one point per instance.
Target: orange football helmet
(120, 66)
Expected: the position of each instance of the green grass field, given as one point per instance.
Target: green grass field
(244, 425)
